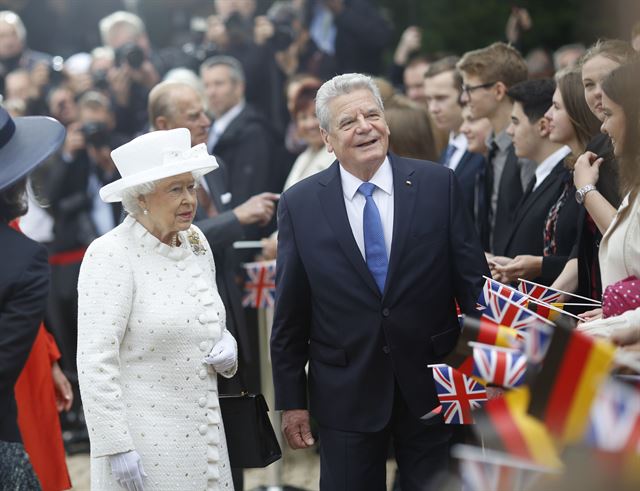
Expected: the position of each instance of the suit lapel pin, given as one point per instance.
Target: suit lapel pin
(408, 182)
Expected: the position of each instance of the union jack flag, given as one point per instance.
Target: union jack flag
(538, 292)
(493, 287)
(499, 366)
(615, 419)
(458, 394)
(260, 286)
(509, 311)
(537, 341)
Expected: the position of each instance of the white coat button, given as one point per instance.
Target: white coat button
(203, 346)
(203, 374)
(203, 429)
(202, 402)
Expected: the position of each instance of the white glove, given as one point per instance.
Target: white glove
(127, 470)
(224, 354)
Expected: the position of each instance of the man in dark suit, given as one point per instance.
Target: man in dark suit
(442, 88)
(240, 135)
(372, 255)
(487, 74)
(178, 105)
(544, 228)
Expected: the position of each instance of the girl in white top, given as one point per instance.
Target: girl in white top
(620, 247)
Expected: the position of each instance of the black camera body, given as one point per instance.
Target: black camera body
(131, 54)
(96, 134)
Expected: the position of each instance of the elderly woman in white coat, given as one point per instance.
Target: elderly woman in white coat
(151, 329)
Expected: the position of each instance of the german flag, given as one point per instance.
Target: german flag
(546, 311)
(561, 394)
(504, 425)
(482, 331)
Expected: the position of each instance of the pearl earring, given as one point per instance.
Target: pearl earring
(145, 211)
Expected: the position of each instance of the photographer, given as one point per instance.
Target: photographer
(135, 69)
(15, 54)
(80, 216)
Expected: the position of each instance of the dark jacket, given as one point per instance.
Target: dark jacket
(24, 285)
(527, 232)
(467, 171)
(361, 344)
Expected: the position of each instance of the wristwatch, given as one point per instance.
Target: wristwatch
(582, 192)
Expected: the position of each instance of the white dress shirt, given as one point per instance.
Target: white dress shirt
(461, 144)
(220, 125)
(547, 165)
(382, 196)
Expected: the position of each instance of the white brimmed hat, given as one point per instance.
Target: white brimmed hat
(154, 156)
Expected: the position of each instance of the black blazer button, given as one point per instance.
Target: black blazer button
(385, 312)
(386, 350)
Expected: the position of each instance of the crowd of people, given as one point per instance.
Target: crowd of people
(172, 154)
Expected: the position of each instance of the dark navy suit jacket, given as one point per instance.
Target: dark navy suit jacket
(467, 171)
(359, 342)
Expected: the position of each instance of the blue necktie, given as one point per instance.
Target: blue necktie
(375, 250)
(448, 153)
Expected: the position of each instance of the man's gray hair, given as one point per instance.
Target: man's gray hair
(13, 19)
(341, 85)
(130, 197)
(117, 20)
(235, 67)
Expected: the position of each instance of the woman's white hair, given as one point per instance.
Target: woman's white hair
(131, 197)
(341, 85)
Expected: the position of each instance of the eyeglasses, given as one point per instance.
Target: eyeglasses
(470, 88)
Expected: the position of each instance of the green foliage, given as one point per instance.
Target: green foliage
(461, 25)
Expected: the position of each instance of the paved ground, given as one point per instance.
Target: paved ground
(300, 469)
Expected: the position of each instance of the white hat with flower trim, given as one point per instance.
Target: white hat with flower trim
(155, 156)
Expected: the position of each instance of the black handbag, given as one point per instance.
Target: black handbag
(251, 440)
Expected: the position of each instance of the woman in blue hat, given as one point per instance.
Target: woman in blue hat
(24, 279)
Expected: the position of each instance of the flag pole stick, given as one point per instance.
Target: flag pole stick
(531, 299)
(590, 300)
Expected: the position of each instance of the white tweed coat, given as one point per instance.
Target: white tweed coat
(147, 315)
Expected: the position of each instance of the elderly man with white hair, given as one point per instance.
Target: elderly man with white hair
(373, 254)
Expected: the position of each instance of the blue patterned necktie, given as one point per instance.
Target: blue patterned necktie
(448, 153)
(375, 250)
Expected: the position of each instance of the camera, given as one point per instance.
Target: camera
(131, 54)
(96, 134)
(100, 80)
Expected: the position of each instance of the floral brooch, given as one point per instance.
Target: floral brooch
(194, 241)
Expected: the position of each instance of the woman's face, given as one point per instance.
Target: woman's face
(613, 123)
(477, 130)
(560, 125)
(593, 72)
(308, 127)
(171, 206)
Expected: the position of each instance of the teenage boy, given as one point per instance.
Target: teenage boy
(442, 89)
(543, 231)
(487, 74)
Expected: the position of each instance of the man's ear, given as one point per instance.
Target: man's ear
(325, 138)
(161, 123)
(543, 127)
(500, 90)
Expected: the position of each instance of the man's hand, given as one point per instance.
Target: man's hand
(525, 266)
(257, 209)
(296, 429)
(410, 41)
(74, 141)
